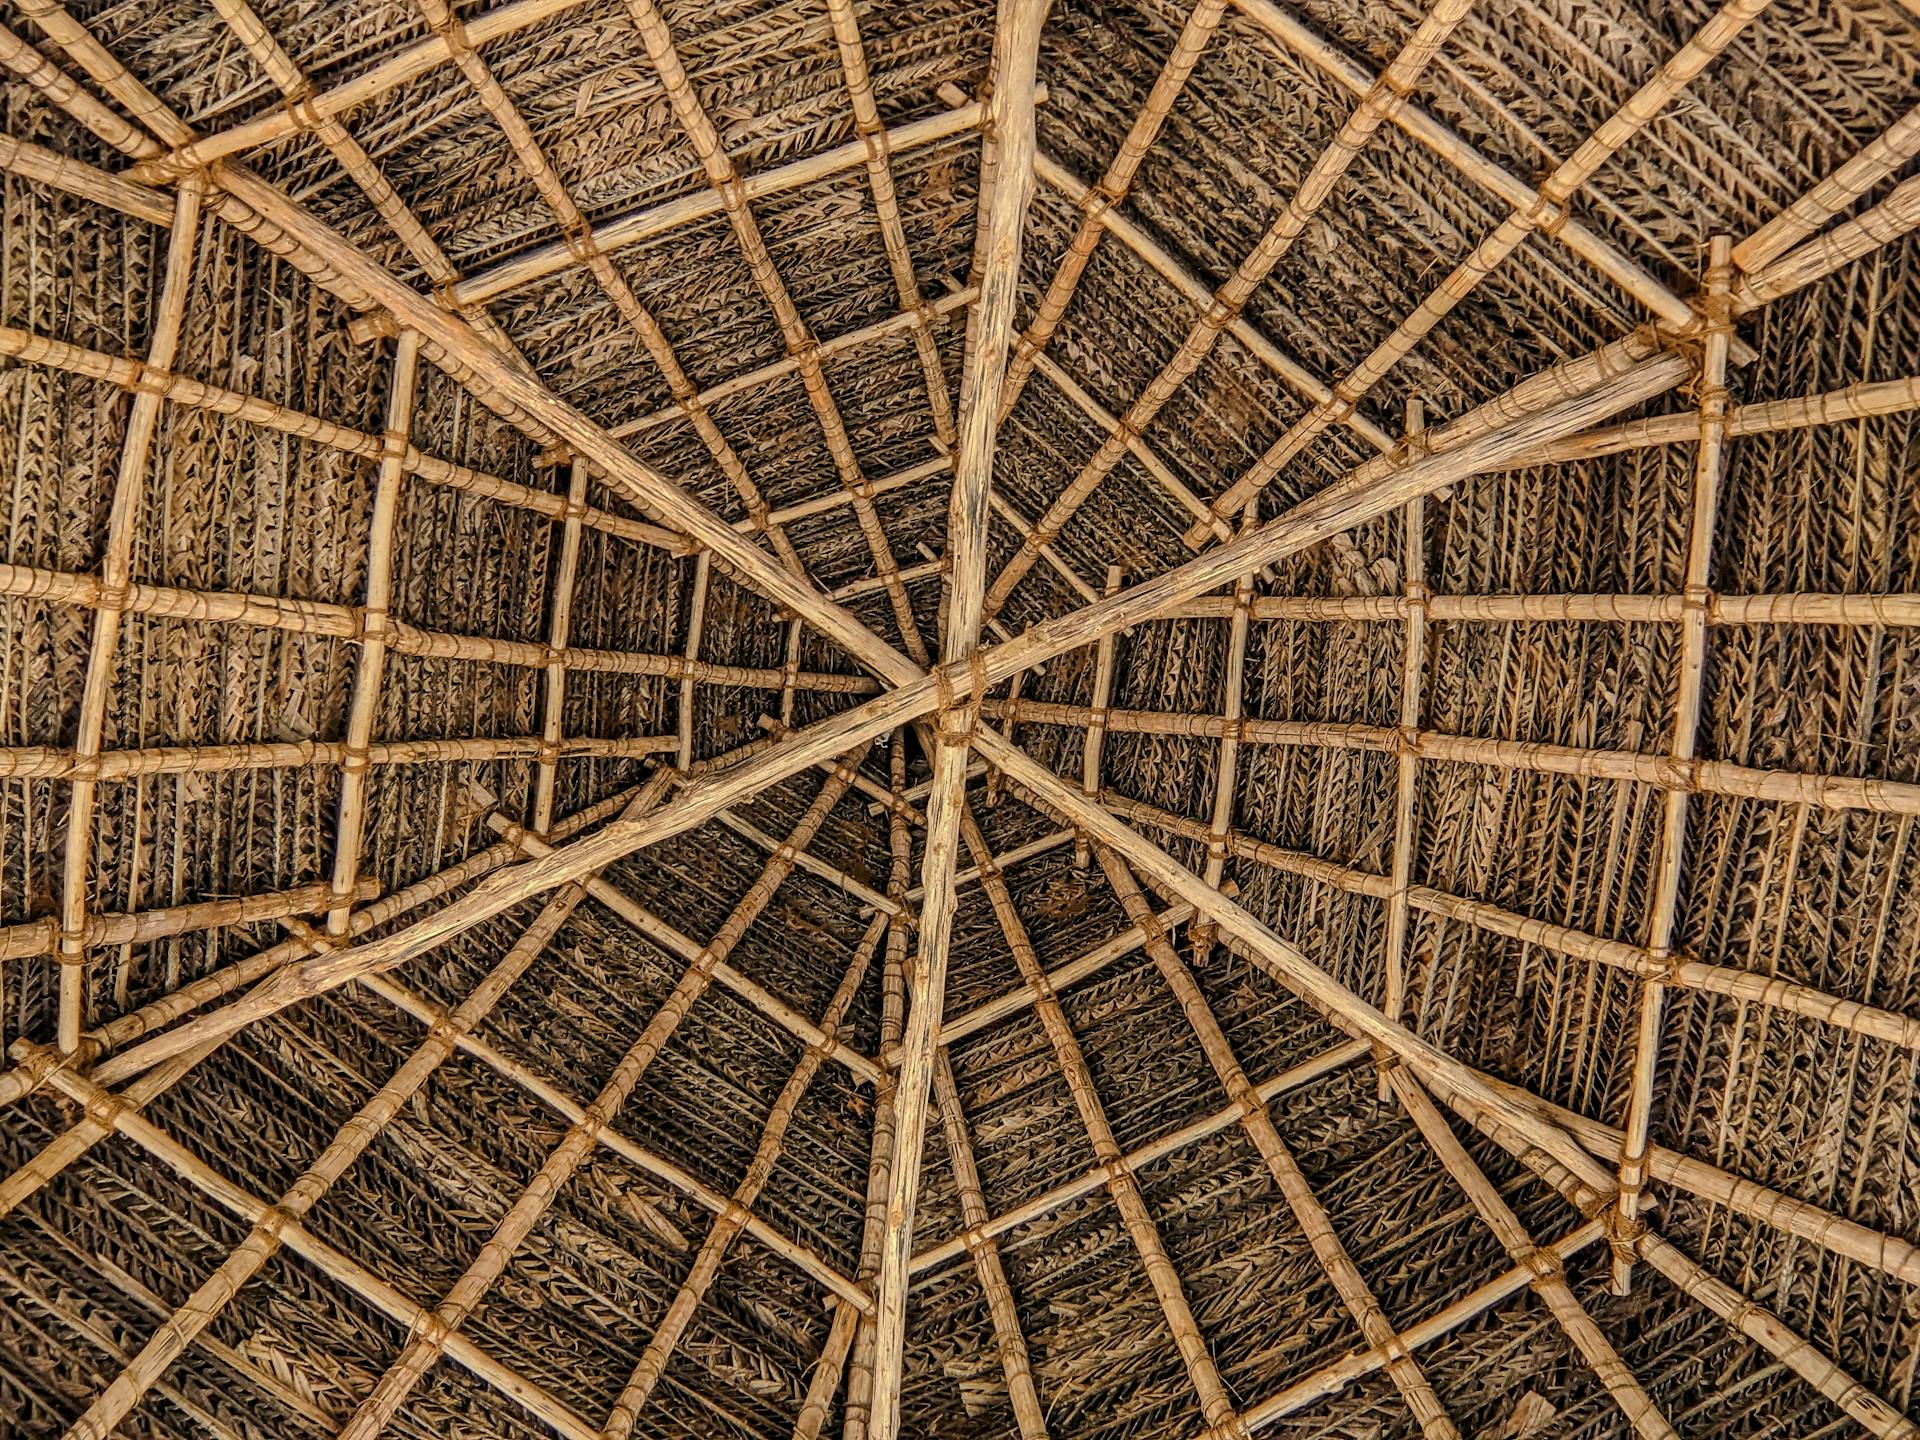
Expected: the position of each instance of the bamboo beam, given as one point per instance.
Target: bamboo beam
(1234, 701)
(696, 624)
(116, 572)
(46, 167)
(1896, 611)
(1550, 1281)
(1555, 402)
(42, 937)
(1006, 192)
(652, 1364)
(1204, 1376)
(1713, 777)
(1095, 746)
(1673, 971)
(1897, 215)
(1689, 696)
(887, 800)
(427, 1344)
(59, 89)
(1544, 209)
(560, 594)
(1835, 195)
(370, 666)
(1413, 678)
(349, 1143)
(1283, 26)
(1354, 1292)
(1231, 298)
(1022, 1393)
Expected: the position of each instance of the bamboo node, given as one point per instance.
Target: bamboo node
(301, 110)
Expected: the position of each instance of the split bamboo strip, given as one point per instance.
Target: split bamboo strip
(871, 900)
(1413, 679)
(1005, 193)
(1550, 1281)
(1095, 746)
(1112, 190)
(1283, 26)
(690, 950)
(1006, 859)
(1005, 1314)
(1375, 1325)
(370, 666)
(1672, 970)
(1092, 1180)
(578, 239)
(1224, 776)
(635, 227)
(75, 177)
(1545, 209)
(884, 799)
(1252, 339)
(42, 936)
(349, 1143)
(724, 180)
(1689, 696)
(873, 139)
(560, 593)
(1232, 296)
(332, 1263)
(194, 394)
(1711, 777)
(1023, 527)
(1555, 402)
(1880, 157)
(907, 575)
(696, 624)
(116, 571)
(1893, 217)
(653, 1361)
(1128, 1198)
(426, 1344)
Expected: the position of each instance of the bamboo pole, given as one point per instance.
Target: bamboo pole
(1882, 224)
(60, 90)
(427, 1344)
(75, 177)
(1873, 162)
(884, 799)
(1413, 678)
(1231, 298)
(370, 667)
(1006, 859)
(1203, 1375)
(560, 593)
(1689, 696)
(1354, 1292)
(1544, 209)
(653, 1361)
(1673, 971)
(42, 937)
(1550, 1281)
(349, 1143)
(1095, 745)
(1234, 701)
(1586, 389)
(696, 624)
(1022, 1393)
(1895, 611)
(116, 572)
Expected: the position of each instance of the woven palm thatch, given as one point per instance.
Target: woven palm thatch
(1104, 720)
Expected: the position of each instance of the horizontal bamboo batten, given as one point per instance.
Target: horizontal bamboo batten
(42, 936)
(1807, 608)
(1711, 777)
(75, 177)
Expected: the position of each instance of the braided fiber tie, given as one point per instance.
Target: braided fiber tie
(959, 718)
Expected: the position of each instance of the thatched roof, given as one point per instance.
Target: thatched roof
(951, 718)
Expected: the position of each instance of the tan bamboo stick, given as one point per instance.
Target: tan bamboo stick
(553, 701)
(194, 394)
(1006, 859)
(1023, 527)
(370, 667)
(1689, 695)
(60, 90)
(827, 1371)
(789, 674)
(871, 900)
(116, 572)
(1713, 777)
(696, 623)
(724, 180)
(1112, 190)
(42, 936)
(1359, 127)
(653, 1361)
(658, 930)
(1005, 1314)
(1413, 678)
(336, 1266)
(75, 177)
(1545, 209)
(1550, 1281)
(1835, 195)
(1234, 702)
(1570, 396)
(1095, 744)
(1090, 1181)
(351, 1141)
(884, 798)
(1292, 34)
(1354, 1292)
(426, 1346)
(874, 140)
(1196, 293)
(907, 575)
(1882, 224)
(1204, 1376)
(1673, 971)
(1895, 610)
(858, 1361)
